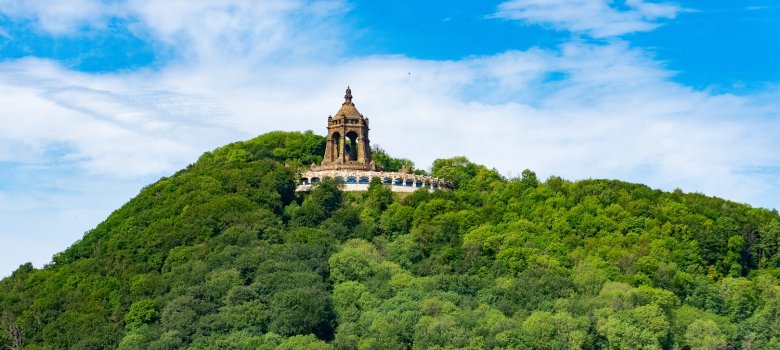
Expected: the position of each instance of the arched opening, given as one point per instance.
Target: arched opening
(398, 182)
(418, 184)
(387, 181)
(304, 181)
(363, 180)
(351, 180)
(336, 147)
(351, 146)
(315, 180)
(409, 182)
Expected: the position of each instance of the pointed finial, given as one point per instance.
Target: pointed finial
(348, 96)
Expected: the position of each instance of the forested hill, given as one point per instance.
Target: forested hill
(225, 255)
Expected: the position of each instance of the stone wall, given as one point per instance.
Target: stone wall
(359, 180)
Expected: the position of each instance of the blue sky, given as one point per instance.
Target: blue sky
(99, 98)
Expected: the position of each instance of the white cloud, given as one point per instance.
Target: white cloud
(59, 17)
(204, 32)
(111, 128)
(598, 18)
(223, 32)
(612, 113)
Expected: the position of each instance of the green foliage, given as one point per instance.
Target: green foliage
(141, 312)
(388, 163)
(304, 342)
(358, 261)
(225, 255)
(457, 170)
(323, 200)
(704, 335)
(378, 196)
(555, 331)
(301, 311)
(643, 327)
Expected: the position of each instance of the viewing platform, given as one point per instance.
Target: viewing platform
(359, 180)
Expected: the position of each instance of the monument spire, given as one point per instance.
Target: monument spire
(348, 96)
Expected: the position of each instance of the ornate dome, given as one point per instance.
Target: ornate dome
(348, 108)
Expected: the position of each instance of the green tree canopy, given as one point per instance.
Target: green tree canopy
(224, 254)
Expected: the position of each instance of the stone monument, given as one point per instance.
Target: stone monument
(348, 146)
(348, 158)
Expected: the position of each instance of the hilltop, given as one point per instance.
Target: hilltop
(226, 255)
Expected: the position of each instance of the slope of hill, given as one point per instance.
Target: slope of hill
(225, 255)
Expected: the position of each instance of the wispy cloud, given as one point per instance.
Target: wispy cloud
(113, 128)
(214, 31)
(60, 17)
(4, 34)
(757, 8)
(611, 106)
(597, 18)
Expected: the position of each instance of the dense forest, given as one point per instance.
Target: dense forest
(226, 255)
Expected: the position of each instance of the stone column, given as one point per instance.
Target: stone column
(342, 144)
(360, 149)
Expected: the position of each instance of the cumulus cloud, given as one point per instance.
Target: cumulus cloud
(597, 18)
